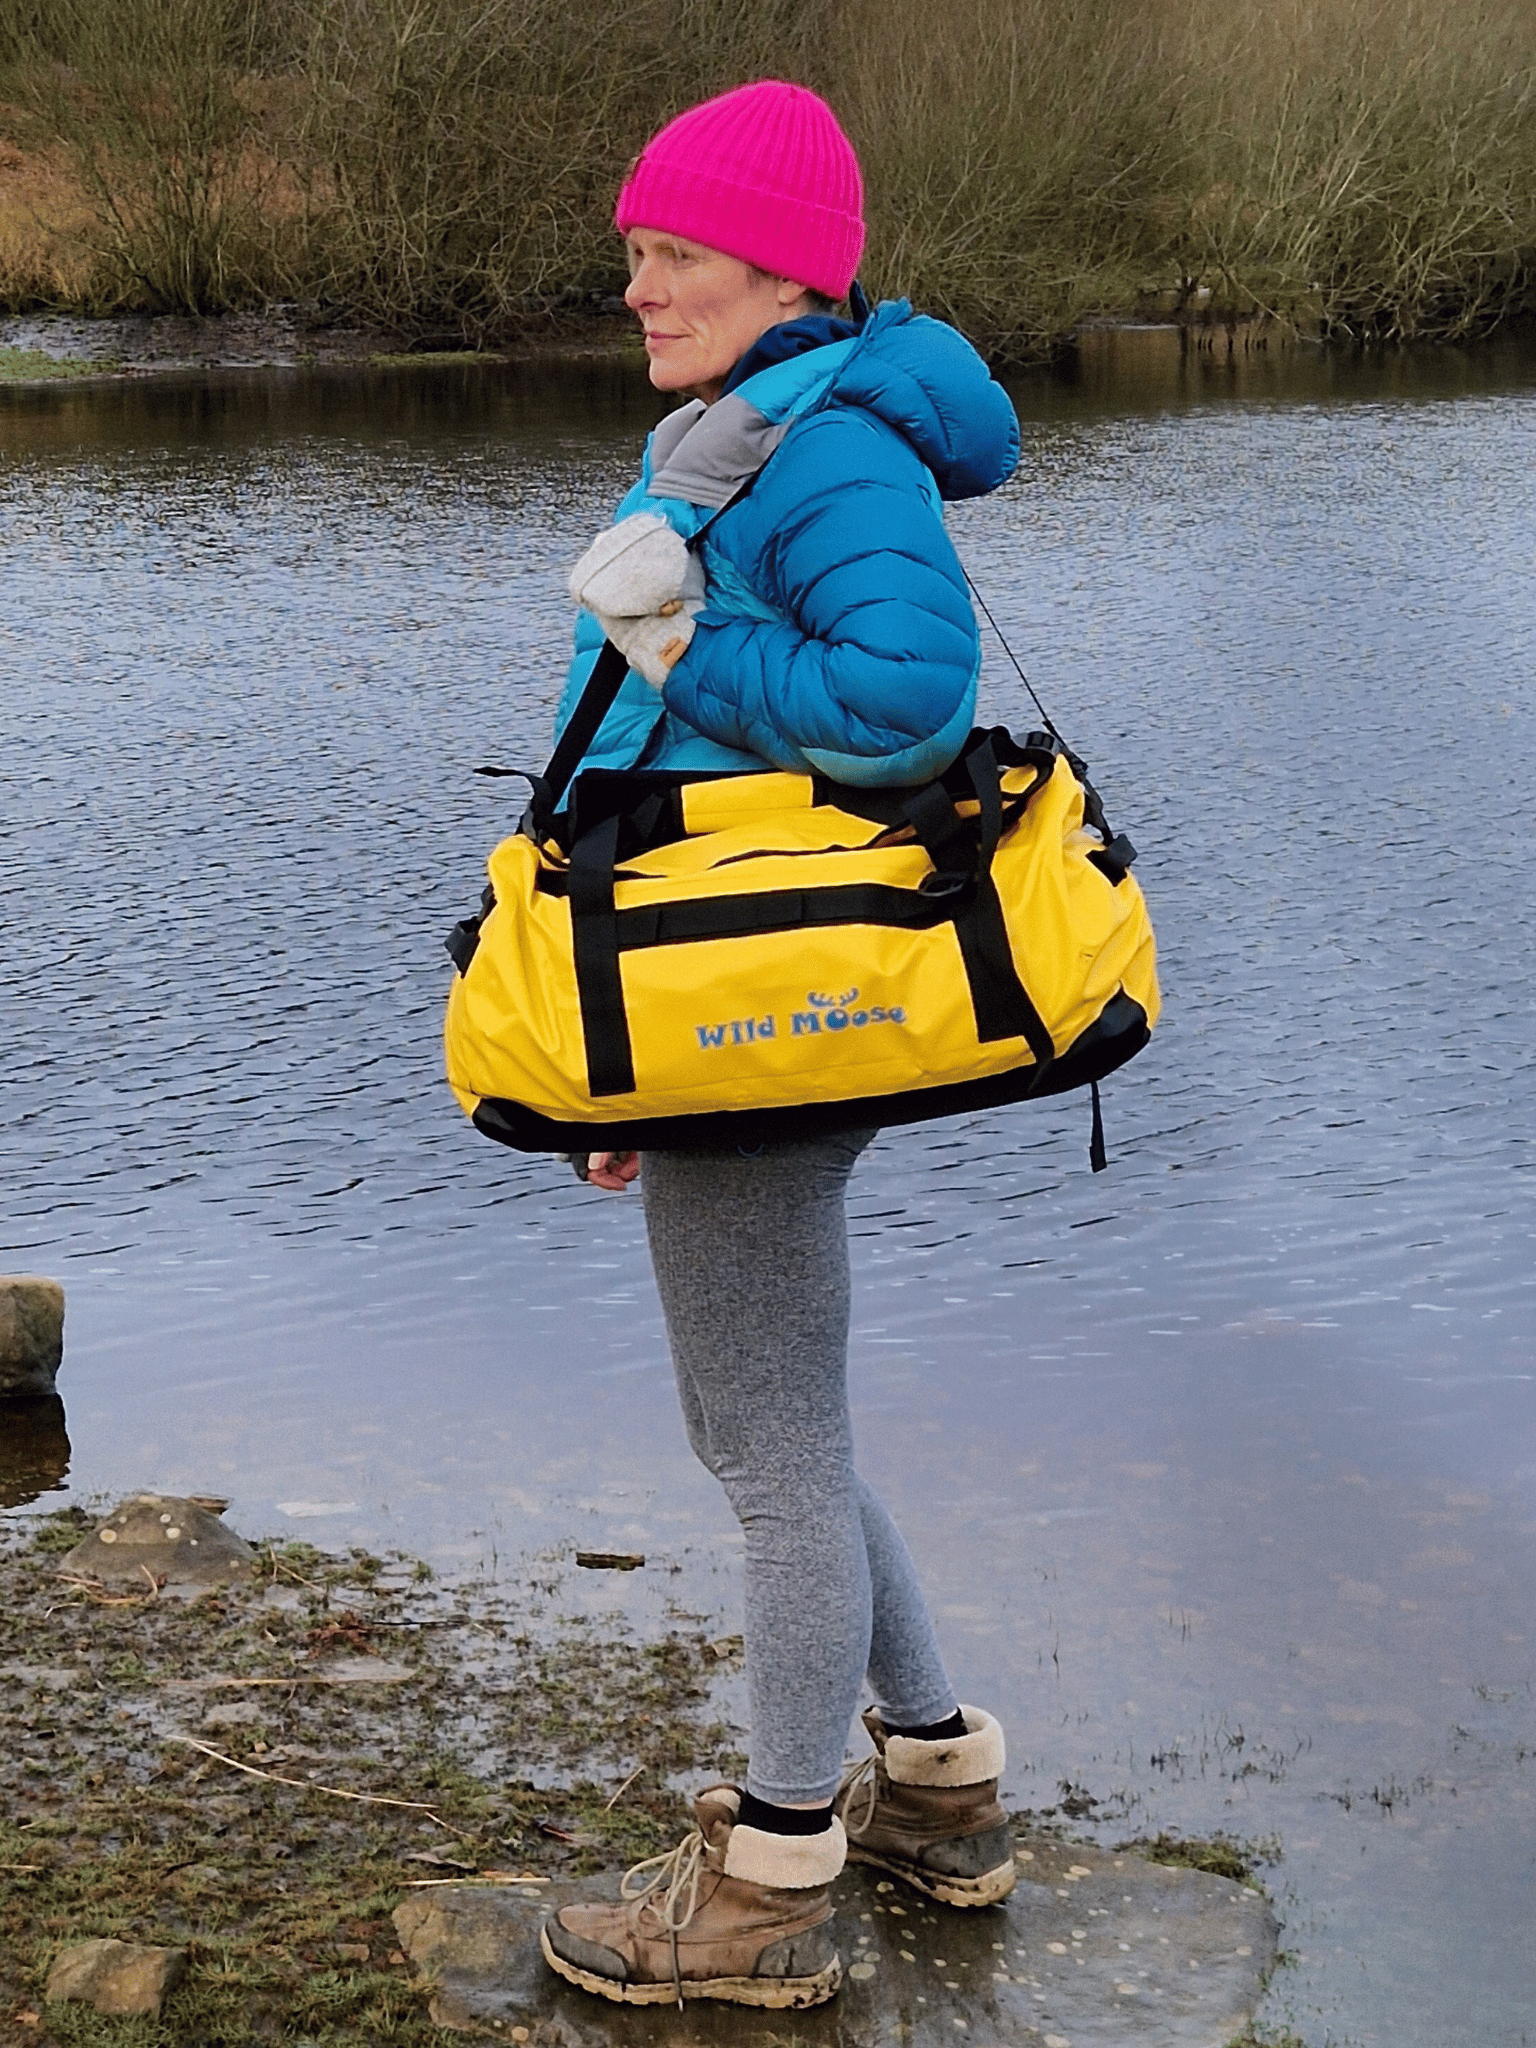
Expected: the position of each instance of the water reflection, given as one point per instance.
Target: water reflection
(246, 408)
(34, 1448)
(1224, 1459)
(1124, 369)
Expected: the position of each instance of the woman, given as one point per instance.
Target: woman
(823, 623)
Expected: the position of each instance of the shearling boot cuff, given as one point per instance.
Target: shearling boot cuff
(786, 1862)
(969, 1759)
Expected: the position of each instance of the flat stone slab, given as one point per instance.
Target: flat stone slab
(161, 1537)
(1093, 1950)
(31, 1333)
(115, 1976)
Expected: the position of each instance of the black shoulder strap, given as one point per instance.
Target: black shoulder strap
(592, 707)
(600, 694)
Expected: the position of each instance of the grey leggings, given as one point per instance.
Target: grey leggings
(751, 1258)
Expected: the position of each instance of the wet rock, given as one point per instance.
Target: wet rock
(158, 1537)
(115, 1976)
(45, 1677)
(479, 1948)
(34, 1447)
(1093, 1950)
(236, 1714)
(31, 1334)
(1105, 1947)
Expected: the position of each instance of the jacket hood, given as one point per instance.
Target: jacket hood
(923, 378)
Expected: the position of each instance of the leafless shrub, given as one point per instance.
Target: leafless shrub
(448, 166)
(467, 151)
(1370, 161)
(157, 109)
(1015, 158)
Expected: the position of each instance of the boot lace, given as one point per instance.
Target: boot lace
(681, 1870)
(861, 1783)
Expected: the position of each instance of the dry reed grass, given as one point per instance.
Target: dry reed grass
(1364, 167)
(172, 134)
(44, 225)
(1016, 165)
(1377, 162)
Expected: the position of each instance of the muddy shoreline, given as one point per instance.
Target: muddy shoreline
(41, 347)
(45, 347)
(263, 1776)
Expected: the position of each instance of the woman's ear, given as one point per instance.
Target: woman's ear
(790, 293)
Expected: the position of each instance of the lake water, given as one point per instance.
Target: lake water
(1221, 1465)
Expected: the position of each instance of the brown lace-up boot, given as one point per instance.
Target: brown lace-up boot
(732, 1913)
(928, 1813)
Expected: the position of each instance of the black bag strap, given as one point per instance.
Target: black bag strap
(601, 691)
(961, 850)
(595, 945)
(981, 766)
(581, 728)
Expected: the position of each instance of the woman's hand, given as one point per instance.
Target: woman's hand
(612, 1170)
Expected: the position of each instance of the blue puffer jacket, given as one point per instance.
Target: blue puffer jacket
(837, 634)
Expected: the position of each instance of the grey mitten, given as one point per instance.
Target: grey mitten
(643, 585)
(653, 645)
(635, 568)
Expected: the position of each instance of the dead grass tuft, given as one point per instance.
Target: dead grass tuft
(44, 228)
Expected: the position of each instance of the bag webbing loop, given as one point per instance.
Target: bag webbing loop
(595, 947)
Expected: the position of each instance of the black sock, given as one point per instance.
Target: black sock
(935, 1731)
(784, 1820)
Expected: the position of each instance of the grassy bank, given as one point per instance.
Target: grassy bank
(209, 1776)
(30, 365)
(445, 167)
(261, 1777)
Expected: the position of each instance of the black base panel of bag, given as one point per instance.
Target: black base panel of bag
(1117, 1034)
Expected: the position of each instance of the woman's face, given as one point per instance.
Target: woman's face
(701, 310)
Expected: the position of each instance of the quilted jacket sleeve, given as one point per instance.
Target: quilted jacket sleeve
(868, 674)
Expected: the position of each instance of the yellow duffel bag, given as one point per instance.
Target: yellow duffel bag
(675, 961)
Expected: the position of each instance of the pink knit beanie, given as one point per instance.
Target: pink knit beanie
(764, 173)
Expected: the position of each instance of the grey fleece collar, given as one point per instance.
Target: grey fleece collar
(705, 453)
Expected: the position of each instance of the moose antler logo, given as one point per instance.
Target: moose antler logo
(833, 1002)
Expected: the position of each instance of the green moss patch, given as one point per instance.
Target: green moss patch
(433, 359)
(1220, 1855)
(30, 366)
